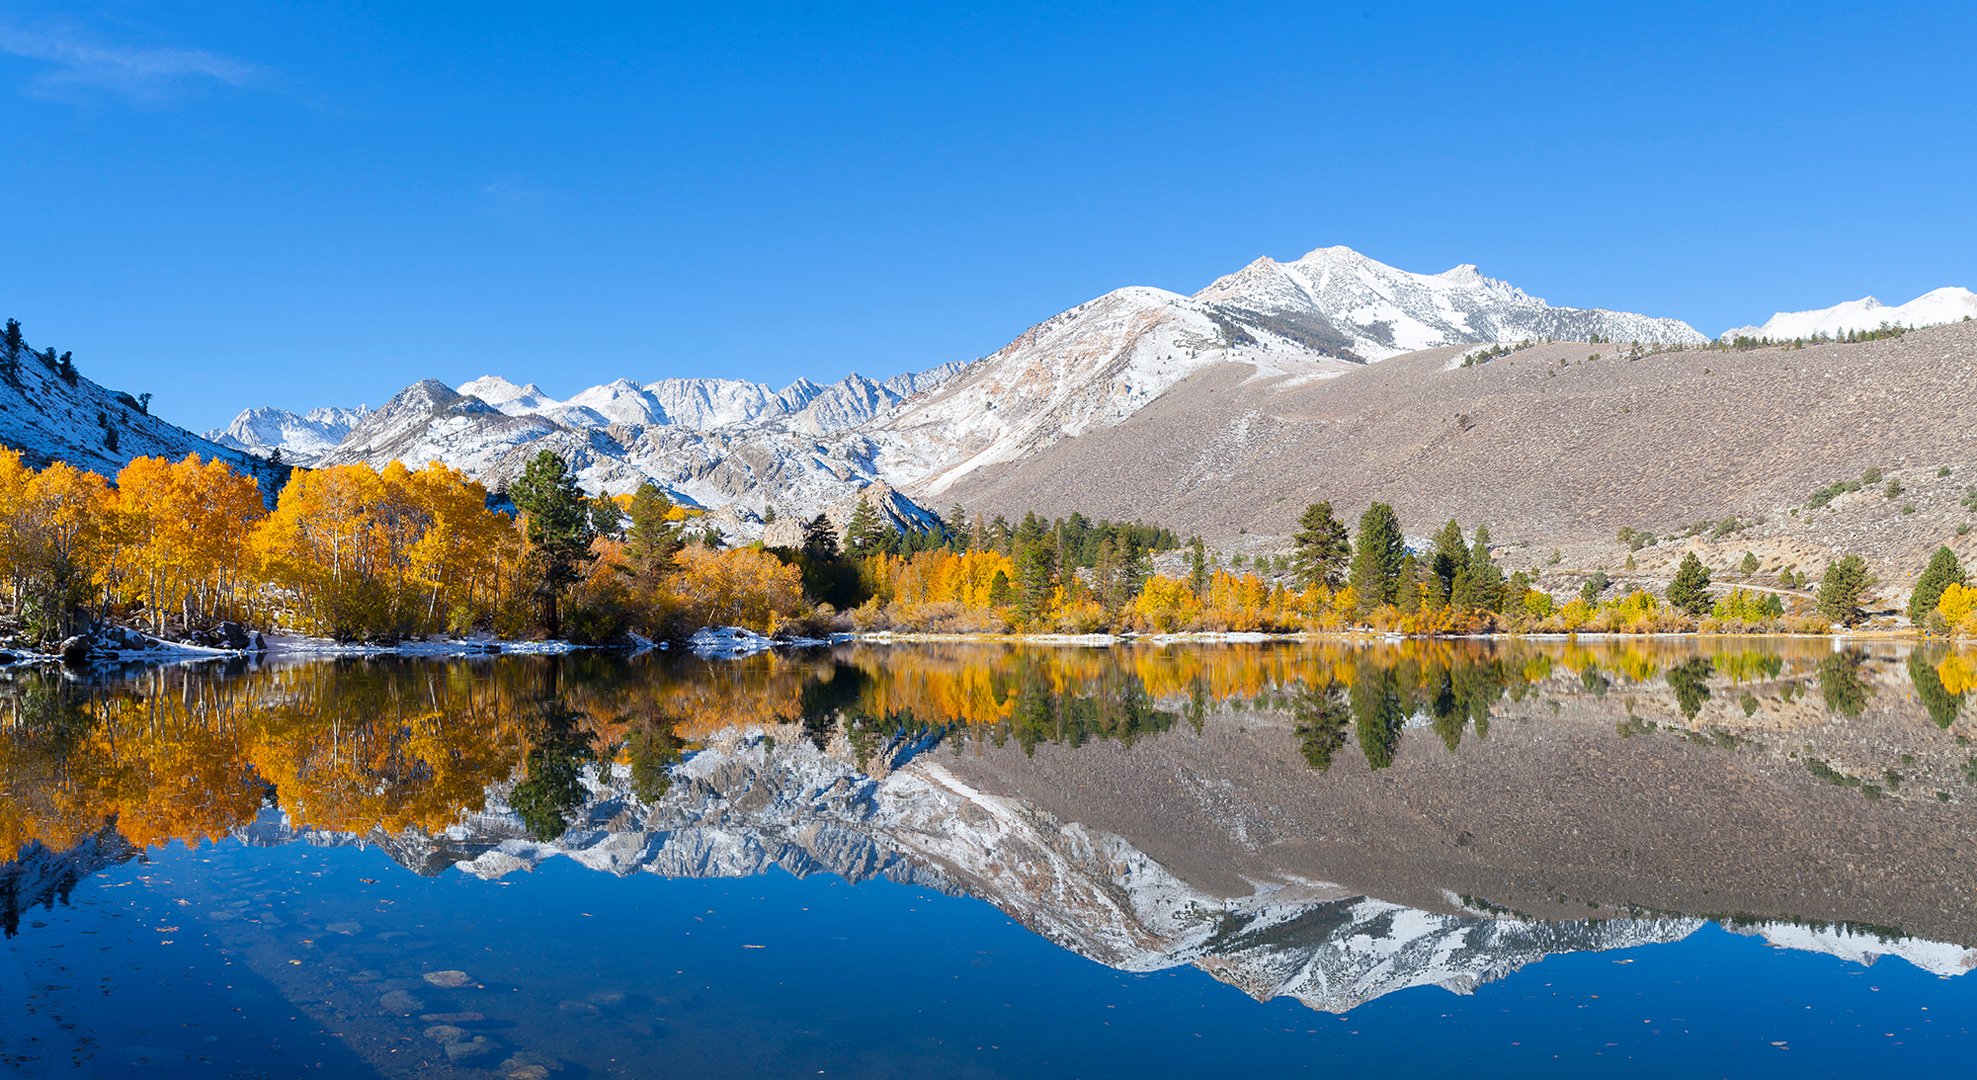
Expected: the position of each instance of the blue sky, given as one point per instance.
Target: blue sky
(233, 204)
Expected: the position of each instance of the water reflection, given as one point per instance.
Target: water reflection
(1326, 822)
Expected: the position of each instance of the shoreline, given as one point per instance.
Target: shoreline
(730, 643)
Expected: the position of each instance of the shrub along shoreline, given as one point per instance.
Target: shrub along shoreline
(386, 556)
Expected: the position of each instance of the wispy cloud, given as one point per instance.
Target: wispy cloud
(79, 66)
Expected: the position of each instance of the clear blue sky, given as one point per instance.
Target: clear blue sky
(233, 204)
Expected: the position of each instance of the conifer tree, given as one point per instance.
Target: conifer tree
(1197, 567)
(1408, 598)
(865, 533)
(1595, 584)
(651, 538)
(1321, 549)
(1450, 559)
(559, 531)
(66, 368)
(10, 346)
(607, 518)
(1482, 579)
(1943, 571)
(1377, 552)
(1842, 589)
(1689, 591)
(1035, 554)
(820, 539)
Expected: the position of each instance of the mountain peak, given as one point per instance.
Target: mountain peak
(1933, 308)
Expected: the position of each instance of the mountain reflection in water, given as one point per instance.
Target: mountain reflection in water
(1324, 822)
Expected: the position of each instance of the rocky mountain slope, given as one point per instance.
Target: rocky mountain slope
(805, 446)
(47, 417)
(1555, 447)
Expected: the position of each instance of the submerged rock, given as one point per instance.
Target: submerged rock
(401, 1002)
(449, 979)
(445, 1034)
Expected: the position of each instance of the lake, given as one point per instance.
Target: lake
(1642, 858)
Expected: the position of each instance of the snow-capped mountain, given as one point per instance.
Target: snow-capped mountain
(1934, 308)
(48, 416)
(301, 438)
(747, 804)
(1336, 300)
(807, 446)
(1100, 362)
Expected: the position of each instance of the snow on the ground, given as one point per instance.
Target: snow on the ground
(290, 645)
(728, 642)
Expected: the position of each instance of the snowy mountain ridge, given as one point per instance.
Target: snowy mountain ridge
(806, 446)
(302, 438)
(746, 804)
(1933, 308)
(48, 415)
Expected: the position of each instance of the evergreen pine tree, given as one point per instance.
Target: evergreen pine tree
(559, 531)
(1450, 558)
(1689, 591)
(607, 518)
(1320, 547)
(1595, 584)
(1842, 589)
(10, 346)
(769, 514)
(866, 532)
(66, 368)
(1034, 551)
(1377, 552)
(1478, 584)
(820, 539)
(1197, 567)
(651, 538)
(1408, 598)
(1943, 571)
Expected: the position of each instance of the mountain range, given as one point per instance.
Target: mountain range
(722, 442)
(1224, 412)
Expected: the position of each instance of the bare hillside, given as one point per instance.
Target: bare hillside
(1554, 449)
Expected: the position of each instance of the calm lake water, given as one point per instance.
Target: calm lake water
(1514, 859)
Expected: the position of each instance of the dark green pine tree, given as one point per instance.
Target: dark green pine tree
(1842, 589)
(1320, 549)
(1596, 584)
(1034, 551)
(866, 532)
(10, 347)
(1943, 571)
(1376, 555)
(66, 368)
(820, 539)
(651, 538)
(1197, 567)
(1689, 591)
(607, 518)
(1450, 559)
(559, 531)
(1479, 583)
